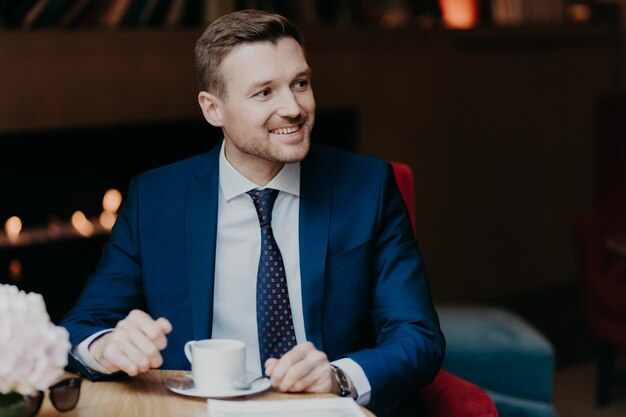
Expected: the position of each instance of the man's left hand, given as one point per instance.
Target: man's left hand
(302, 369)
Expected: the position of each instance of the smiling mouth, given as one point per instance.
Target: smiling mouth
(285, 130)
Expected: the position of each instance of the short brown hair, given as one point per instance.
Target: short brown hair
(230, 31)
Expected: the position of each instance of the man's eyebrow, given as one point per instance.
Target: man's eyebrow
(304, 73)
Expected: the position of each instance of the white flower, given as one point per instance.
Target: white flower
(33, 351)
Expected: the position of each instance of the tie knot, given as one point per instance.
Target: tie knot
(264, 203)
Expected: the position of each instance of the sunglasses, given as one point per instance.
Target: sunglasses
(63, 395)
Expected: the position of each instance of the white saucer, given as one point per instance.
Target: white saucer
(257, 386)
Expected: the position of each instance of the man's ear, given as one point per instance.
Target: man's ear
(211, 108)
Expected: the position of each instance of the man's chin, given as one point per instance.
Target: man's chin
(293, 153)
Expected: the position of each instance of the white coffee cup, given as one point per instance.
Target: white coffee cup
(216, 363)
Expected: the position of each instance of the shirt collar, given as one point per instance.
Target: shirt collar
(233, 183)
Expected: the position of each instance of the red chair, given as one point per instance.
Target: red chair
(451, 396)
(448, 395)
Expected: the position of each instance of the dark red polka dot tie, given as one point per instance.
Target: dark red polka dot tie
(274, 320)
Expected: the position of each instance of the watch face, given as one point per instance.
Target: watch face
(342, 382)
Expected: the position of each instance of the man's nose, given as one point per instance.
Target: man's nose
(288, 105)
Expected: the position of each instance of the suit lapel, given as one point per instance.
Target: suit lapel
(315, 201)
(201, 232)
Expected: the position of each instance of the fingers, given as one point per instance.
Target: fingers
(165, 325)
(269, 366)
(134, 345)
(302, 369)
(120, 353)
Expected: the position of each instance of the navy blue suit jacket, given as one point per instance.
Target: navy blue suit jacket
(364, 290)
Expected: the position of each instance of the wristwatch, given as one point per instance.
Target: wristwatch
(343, 382)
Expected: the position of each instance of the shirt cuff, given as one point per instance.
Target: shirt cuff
(359, 380)
(82, 352)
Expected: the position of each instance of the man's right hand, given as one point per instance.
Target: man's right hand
(134, 345)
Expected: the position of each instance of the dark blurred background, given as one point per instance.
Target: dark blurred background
(498, 110)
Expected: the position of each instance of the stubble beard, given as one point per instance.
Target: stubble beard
(275, 152)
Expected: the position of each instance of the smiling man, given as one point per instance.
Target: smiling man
(303, 252)
(267, 111)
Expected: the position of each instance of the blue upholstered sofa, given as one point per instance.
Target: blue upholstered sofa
(499, 351)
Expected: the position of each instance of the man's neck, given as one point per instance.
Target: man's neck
(257, 170)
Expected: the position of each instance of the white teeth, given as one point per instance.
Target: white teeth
(285, 130)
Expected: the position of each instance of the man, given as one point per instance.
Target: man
(183, 260)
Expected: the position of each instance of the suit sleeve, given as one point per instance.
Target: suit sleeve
(115, 288)
(409, 343)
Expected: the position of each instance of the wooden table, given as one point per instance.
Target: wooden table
(146, 396)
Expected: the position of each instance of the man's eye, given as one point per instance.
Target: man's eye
(301, 84)
(264, 93)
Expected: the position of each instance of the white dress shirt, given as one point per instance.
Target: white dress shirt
(238, 249)
(238, 235)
